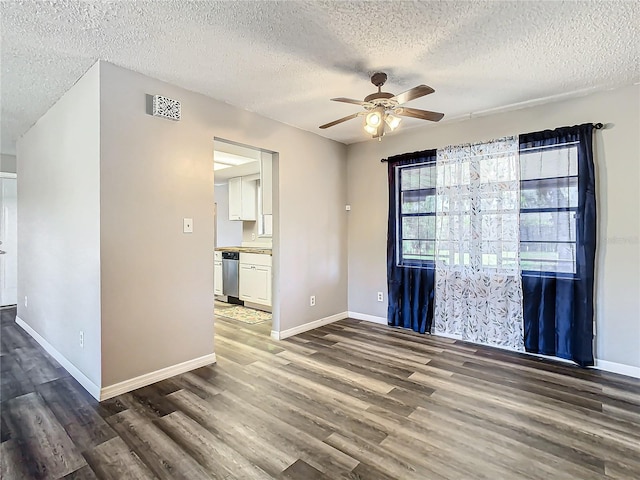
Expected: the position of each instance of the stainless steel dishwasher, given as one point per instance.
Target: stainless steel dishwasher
(230, 264)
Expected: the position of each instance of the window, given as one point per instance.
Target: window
(474, 218)
(548, 208)
(416, 214)
(478, 206)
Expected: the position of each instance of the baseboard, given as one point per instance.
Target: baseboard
(368, 318)
(82, 379)
(620, 368)
(308, 326)
(604, 365)
(153, 377)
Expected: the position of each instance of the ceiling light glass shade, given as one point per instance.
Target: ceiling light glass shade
(369, 129)
(392, 121)
(373, 119)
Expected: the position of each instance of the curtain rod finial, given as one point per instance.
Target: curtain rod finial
(598, 126)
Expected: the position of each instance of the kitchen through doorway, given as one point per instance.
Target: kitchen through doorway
(243, 236)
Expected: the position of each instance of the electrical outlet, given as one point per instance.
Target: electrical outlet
(26, 303)
(81, 339)
(312, 300)
(187, 225)
(380, 297)
(253, 236)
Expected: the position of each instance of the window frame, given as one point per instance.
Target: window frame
(575, 210)
(400, 260)
(527, 184)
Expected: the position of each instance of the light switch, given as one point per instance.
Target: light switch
(187, 225)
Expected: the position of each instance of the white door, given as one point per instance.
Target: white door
(9, 239)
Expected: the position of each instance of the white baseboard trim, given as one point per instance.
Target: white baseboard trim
(82, 379)
(620, 368)
(604, 365)
(153, 377)
(368, 318)
(308, 326)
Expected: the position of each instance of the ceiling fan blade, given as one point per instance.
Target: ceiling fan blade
(415, 92)
(349, 100)
(421, 114)
(336, 122)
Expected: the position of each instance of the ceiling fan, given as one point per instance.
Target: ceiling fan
(381, 108)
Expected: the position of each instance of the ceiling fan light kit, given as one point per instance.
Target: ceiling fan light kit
(369, 129)
(381, 109)
(392, 121)
(374, 118)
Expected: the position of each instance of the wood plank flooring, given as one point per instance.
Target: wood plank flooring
(350, 400)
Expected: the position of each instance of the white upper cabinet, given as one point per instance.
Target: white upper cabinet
(242, 199)
(266, 182)
(235, 198)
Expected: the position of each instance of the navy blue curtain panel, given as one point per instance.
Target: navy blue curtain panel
(410, 288)
(558, 308)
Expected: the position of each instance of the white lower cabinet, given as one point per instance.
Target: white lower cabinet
(217, 273)
(255, 278)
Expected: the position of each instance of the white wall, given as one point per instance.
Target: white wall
(157, 293)
(228, 232)
(8, 163)
(617, 152)
(250, 233)
(59, 225)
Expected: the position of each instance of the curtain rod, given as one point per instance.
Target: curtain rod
(597, 126)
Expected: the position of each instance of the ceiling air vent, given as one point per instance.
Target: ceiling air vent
(166, 107)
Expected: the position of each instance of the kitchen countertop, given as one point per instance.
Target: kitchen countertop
(258, 250)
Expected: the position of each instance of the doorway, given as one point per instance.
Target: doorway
(243, 253)
(8, 239)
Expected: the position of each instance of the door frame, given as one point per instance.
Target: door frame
(14, 176)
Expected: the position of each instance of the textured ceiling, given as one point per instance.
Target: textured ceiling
(286, 59)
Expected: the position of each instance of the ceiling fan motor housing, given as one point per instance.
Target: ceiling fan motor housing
(380, 96)
(378, 79)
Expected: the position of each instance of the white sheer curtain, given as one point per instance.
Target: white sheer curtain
(478, 293)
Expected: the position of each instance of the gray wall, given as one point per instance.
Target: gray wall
(157, 284)
(59, 225)
(617, 153)
(228, 232)
(8, 163)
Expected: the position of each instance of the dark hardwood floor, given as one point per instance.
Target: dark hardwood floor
(349, 400)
